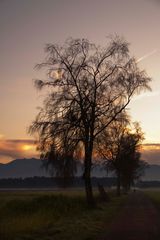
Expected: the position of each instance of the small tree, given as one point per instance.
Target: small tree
(132, 165)
(119, 148)
(89, 86)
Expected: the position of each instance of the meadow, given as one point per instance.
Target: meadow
(48, 215)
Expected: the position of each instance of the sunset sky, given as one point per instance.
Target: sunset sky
(27, 25)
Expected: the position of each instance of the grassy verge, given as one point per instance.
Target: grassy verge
(49, 216)
(155, 197)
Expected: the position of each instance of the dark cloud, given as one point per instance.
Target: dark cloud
(15, 148)
(151, 153)
(151, 157)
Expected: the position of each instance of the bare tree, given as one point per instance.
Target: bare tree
(89, 86)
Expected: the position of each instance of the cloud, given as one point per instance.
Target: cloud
(24, 148)
(151, 153)
(148, 94)
(16, 148)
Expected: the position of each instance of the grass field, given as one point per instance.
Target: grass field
(155, 197)
(58, 216)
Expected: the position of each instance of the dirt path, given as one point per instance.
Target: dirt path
(139, 220)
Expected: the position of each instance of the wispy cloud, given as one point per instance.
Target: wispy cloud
(16, 148)
(146, 95)
(148, 55)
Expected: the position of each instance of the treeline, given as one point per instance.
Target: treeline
(148, 184)
(76, 182)
(49, 182)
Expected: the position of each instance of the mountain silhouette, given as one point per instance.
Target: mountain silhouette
(22, 168)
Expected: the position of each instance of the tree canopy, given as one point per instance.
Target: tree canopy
(89, 86)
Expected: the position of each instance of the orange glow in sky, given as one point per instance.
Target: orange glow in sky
(150, 147)
(16, 149)
(27, 147)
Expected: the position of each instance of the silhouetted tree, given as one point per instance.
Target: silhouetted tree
(132, 165)
(120, 147)
(88, 87)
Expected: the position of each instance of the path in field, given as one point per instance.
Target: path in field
(139, 220)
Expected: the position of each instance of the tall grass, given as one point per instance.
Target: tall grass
(53, 216)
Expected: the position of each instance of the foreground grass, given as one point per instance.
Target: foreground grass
(155, 197)
(56, 216)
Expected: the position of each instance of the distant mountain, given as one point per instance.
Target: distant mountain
(152, 173)
(22, 168)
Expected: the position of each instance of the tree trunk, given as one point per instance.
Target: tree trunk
(89, 192)
(87, 176)
(118, 184)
